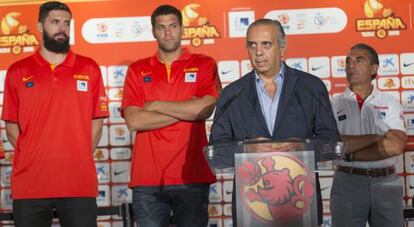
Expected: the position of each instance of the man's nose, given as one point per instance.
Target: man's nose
(259, 50)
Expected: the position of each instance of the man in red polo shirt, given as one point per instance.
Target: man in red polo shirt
(166, 99)
(54, 105)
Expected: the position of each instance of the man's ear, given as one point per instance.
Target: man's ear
(40, 27)
(283, 51)
(374, 69)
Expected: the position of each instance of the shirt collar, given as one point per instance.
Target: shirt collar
(185, 55)
(350, 93)
(280, 74)
(69, 60)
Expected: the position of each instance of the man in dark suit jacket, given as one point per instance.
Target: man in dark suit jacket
(273, 101)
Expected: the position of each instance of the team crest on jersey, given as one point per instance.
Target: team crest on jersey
(30, 84)
(190, 77)
(82, 85)
(147, 79)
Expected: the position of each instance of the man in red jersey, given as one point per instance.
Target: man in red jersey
(166, 99)
(54, 105)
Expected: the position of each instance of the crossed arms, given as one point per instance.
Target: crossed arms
(375, 147)
(158, 114)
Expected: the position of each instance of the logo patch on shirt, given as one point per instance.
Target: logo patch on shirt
(81, 77)
(27, 78)
(147, 79)
(342, 117)
(104, 106)
(381, 107)
(192, 69)
(146, 73)
(190, 77)
(82, 85)
(382, 115)
(29, 84)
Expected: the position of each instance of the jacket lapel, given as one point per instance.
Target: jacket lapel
(254, 101)
(289, 84)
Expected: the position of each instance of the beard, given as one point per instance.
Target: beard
(58, 46)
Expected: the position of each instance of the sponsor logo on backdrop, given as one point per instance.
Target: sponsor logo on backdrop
(227, 209)
(388, 65)
(407, 82)
(338, 66)
(119, 135)
(288, 190)
(121, 194)
(310, 21)
(121, 153)
(215, 210)
(298, 63)
(115, 94)
(326, 183)
(407, 98)
(16, 37)
(101, 154)
(388, 83)
(197, 28)
(229, 71)
(214, 222)
(326, 207)
(327, 222)
(239, 21)
(381, 20)
(410, 185)
(102, 171)
(116, 75)
(118, 30)
(6, 200)
(103, 196)
(215, 195)
(115, 112)
(228, 191)
(6, 172)
(409, 119)
(120, 172)
(407, 63)
(319, 66)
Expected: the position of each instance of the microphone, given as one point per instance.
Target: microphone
(223, 109)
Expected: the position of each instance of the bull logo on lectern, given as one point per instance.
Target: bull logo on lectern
(276, 188)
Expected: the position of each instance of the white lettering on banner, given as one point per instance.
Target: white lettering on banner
(118, 30)
(310, 21)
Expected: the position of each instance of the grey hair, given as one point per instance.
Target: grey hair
(281, 39)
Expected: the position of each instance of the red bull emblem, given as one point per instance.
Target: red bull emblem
(275, 188)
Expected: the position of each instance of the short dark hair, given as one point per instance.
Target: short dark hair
(281, 39)
(46, 7)
(166, 10)
(373, 55)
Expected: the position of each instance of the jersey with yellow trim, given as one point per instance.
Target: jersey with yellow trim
(173, 154)
(54, 110)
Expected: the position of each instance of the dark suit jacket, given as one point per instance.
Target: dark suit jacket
(304, 111)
